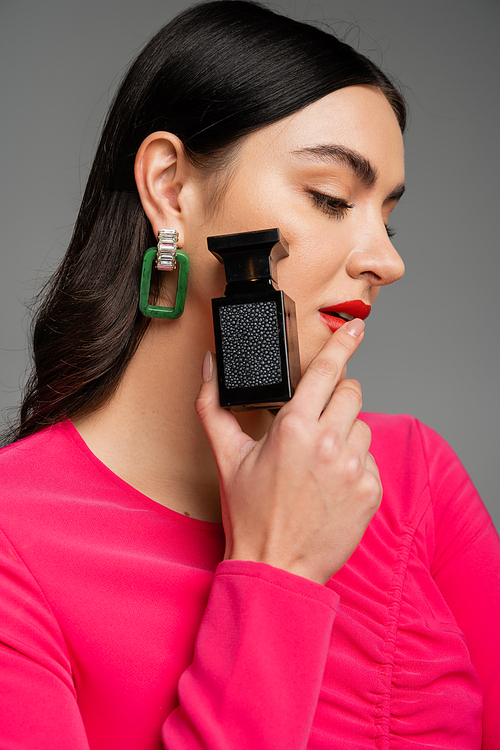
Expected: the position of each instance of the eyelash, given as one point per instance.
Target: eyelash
(334, 207)
(337, 208)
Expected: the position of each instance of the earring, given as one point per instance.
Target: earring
(167, 258)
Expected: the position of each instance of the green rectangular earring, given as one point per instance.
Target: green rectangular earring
(167, 258)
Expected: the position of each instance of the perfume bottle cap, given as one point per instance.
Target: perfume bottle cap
(249, 257)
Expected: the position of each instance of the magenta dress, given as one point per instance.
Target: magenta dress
(121, 629)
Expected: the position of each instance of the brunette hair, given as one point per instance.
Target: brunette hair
(217, 72)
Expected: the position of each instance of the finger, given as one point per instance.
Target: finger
(360, 438)
(371, 465)
(343, 408)
(323, 373)
(372, 468)
(221, 427)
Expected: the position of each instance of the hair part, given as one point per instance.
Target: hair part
(218, 72)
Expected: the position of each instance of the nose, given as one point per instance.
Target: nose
(375, 257)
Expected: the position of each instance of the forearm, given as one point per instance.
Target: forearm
(258, 663)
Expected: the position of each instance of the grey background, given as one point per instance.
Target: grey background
(432, 343)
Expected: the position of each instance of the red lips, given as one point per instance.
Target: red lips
(356, 308)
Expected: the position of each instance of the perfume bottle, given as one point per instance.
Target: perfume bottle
(255, 327)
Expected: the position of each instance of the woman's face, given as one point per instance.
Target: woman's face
(328, 177)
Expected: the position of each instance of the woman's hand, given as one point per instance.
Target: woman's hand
(300, 498)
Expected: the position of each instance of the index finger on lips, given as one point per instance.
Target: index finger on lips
(326, 369)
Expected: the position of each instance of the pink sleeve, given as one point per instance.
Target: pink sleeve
(254, 682)
(466, 568)
(38, 706)
(258, 663)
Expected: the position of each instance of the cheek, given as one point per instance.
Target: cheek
(312, 338)
(313, 275)
(297, 280)
(308, 274)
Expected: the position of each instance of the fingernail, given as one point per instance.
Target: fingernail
(355, 327)
(207, 367)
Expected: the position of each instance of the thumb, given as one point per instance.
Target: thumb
(222, 429)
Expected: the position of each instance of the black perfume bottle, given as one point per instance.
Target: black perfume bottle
(255, 328)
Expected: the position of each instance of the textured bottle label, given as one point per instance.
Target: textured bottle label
(250, 344)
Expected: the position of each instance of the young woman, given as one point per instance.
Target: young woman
(350, 596)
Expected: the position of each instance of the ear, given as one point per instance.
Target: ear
(164, 181)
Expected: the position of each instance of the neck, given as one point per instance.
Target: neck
(149, 433)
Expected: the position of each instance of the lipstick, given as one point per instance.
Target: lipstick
(332, 316)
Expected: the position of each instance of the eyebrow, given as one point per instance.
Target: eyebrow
(354, 161)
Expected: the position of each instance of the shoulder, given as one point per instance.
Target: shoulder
(399, 445)
(43, 457)
(402, 462)
(402, 442)
(420, 470)
(401, 430)
(31, 447)
(43, 477)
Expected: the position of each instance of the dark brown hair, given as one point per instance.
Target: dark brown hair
(217, 72)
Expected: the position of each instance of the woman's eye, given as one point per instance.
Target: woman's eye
(335, 207)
